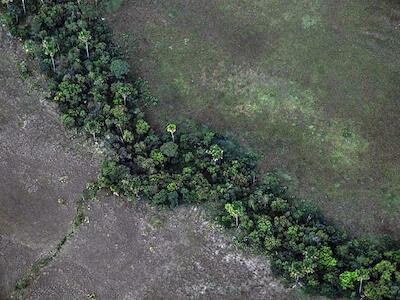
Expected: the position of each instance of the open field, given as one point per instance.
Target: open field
(313, 86)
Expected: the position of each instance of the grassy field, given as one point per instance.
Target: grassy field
(313, 86)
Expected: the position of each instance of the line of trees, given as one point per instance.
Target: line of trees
(188, 163)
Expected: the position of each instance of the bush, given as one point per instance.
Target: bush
(169, 149)
(119, 68)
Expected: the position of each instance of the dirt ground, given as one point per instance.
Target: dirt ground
(313, 86)
(140, 253)
(42, 173)
(119, 252)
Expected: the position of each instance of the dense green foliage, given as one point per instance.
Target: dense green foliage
(188, 163)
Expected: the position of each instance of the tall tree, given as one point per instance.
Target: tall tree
(84, 37)
(235, 210)
(50, 49)
(171, 128)
(123, 90)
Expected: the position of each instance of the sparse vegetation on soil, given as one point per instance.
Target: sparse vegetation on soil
(188, 163)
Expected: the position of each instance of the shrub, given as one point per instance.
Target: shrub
(119, 68)
(142, 126)
(169, 149)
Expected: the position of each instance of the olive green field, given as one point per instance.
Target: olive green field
(311, 86)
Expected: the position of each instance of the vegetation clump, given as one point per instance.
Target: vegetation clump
(187, 163)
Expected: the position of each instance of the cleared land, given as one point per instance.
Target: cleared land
(42, 173)
(119, 252)
(312, 85)
(139, 253)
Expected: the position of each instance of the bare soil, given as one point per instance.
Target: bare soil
(142, 253)
(42, 173)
